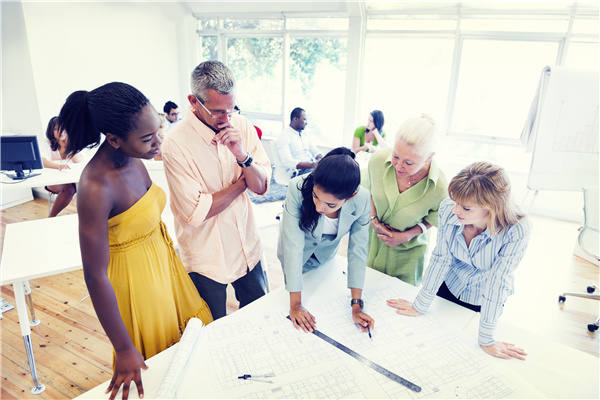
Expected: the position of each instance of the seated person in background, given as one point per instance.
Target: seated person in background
(368, 137)
(54, 156)
(482, 238)
(295, 148)
(320, 209)
(161, 134)
(171, 113)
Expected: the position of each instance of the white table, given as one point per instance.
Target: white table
(51, 176)
(542, 375)
(48, 176)
(21, 261)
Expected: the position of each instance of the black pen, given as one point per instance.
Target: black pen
(368, 330)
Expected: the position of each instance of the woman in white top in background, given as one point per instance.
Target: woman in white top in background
(482, 238)
(55, 158)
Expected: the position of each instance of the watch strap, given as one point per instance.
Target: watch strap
(357, 301)
(247, 162)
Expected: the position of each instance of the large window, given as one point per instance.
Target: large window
(256, 62)
(405, 77)
(474, 66)
(271, 80)
(317, 82)
(496, 84)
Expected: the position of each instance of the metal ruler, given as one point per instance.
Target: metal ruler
(385, 372)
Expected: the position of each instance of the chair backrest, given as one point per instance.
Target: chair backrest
(590, 207)
(258, 132)
(589, 235)
(280, 173)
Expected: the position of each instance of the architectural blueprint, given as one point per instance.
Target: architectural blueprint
(426, 350)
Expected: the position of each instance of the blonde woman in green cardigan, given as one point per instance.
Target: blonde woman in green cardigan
(406, 188)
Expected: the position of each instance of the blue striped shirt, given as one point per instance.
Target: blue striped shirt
(480, 274)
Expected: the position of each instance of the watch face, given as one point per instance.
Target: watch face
(357, 301)
(246, 163)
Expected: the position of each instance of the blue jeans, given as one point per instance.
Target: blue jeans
(247, 289)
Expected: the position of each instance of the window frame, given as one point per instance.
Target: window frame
(360, 15)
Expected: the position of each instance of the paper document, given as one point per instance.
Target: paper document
(170, 383)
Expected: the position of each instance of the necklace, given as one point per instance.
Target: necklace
(417, 177)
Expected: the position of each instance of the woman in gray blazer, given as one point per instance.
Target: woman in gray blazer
(320, 209)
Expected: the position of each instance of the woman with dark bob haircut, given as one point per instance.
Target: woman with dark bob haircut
(320, 209)
(54, 156)
(368, 137)
(140, 290)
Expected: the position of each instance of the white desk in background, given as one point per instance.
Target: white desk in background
(437, 352)
(51, 176)
(48, 176)
(28, 253)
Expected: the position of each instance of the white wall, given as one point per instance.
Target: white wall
(80, 46)
(20, 113)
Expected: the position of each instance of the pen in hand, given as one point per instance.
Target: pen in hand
(369, 331)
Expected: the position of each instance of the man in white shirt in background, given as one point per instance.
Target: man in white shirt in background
(296, 151)
(171, 114)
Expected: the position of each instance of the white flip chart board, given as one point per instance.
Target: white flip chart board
(565, 155)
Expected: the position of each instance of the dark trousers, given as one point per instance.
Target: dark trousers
(445, 293)
(247, 289)
(301, 172)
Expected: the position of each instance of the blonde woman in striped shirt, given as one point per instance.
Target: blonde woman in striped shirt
(482, 238)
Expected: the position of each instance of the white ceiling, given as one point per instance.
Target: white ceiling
(266, 6)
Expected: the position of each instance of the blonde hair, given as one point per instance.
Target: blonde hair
(163, 120)
(419, 132)
(488, 186)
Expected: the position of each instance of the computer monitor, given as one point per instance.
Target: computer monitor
(19, 153)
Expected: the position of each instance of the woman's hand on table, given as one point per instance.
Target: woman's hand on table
(403, 307)
(362, 319)
(505, 350)
(127, 369)
(301, 318)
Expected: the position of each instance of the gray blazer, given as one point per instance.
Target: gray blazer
(295, 247)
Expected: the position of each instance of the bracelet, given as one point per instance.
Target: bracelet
(422, 226)
(372, 218)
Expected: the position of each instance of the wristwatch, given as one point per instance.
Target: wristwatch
(247, 162)
(357, 301)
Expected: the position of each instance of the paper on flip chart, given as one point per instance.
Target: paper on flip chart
(170, 383)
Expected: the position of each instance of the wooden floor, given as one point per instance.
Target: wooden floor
(74, 355)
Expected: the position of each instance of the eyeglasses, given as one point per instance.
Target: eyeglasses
(235, 110)
(174, 114)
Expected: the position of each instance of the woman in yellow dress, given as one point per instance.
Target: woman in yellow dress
(140, 290)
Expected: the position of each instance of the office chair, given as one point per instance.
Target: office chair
(258, 132)
(280, 173)
(51, 198)
(587, 246)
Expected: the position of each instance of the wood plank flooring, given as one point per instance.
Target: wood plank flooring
(74, 355)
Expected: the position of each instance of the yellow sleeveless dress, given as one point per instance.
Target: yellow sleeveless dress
(156, 296)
